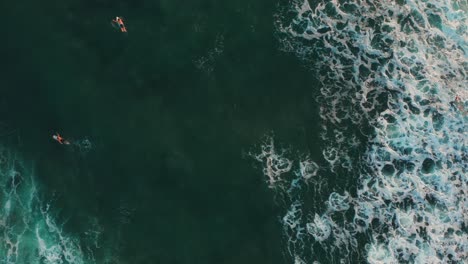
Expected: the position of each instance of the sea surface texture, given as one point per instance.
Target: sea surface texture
(290, 131)
(393, 113)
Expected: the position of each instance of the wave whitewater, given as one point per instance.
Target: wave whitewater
(393, 80)
(29, 230)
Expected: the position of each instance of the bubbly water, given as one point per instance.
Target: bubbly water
(394, 108)
(29, 232)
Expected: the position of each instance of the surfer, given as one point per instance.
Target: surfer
(60, 139)
(119, 22)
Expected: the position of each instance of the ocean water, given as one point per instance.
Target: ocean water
(390, 186)
(234, 132)
(160, 121)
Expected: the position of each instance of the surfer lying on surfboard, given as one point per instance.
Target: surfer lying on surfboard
(118, 22)
(60, 139)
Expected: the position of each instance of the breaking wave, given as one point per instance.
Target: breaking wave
(29, 231)
(393, 105)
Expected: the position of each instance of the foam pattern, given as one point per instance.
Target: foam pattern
(28, 231)
(394, 106)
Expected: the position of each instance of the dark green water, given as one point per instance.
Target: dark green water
(169, 138)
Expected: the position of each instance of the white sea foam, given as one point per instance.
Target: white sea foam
(275, 163)
(28, 230)
(395, 73)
